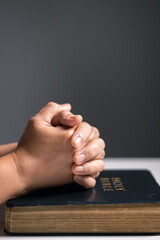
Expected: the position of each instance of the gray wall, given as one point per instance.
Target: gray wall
(101, 56)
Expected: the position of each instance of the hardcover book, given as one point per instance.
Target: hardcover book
(123, 201)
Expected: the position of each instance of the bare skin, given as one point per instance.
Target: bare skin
(7, 148)
(47, 154)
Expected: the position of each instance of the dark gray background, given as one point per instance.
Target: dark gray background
(101, 56)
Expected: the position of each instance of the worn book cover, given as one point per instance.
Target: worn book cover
(123, 201)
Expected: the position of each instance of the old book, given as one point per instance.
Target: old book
(123, 201)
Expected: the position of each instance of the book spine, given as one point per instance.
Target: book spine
(8, 219)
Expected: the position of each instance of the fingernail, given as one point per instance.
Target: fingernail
(77, 140)
(72, 117)
(80, 158)
(69, 116)
(79, 169)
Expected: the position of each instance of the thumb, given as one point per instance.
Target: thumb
(48, 112)
(66, 118)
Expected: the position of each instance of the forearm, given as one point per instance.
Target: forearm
(10, 184)
(7, 148)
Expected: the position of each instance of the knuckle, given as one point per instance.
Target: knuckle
(67, 134)
(101, 143)
(103, 165)
(96, 132)
(102, 155)
(33, 124)
(88, 154)
(63, 114)
(32, 121)
(96, 147)
(52, 105)
(96, 175)
(85, 124)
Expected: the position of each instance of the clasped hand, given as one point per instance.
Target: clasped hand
(57, 148)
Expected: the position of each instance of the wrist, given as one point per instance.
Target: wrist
(10, 183)
(17, 159)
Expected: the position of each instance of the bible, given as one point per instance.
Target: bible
(123, 201)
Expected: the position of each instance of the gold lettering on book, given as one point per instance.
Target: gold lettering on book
(117, 183)
(106, 184)
(111, 184)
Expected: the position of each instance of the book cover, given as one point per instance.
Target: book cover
(123, 201)
(112, 187)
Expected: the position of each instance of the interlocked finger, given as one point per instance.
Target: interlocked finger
(85, 181)
(92, 149)
(88, 168)
(81, 134)
(95, 175)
